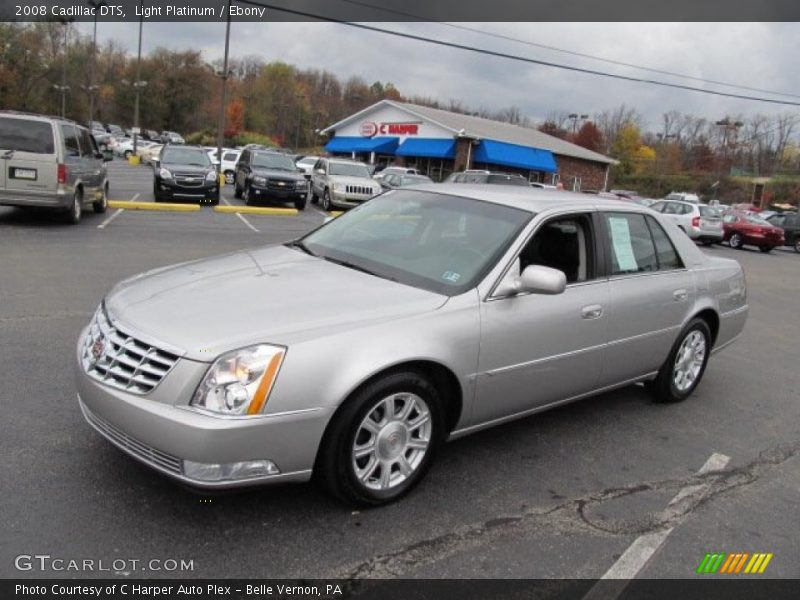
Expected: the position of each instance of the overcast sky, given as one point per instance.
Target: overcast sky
(758, 55)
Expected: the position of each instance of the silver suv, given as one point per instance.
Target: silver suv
(51, 162)
(701, 222)
(341, 183)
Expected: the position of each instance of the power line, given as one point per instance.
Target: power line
(573, 52)
(515, 57)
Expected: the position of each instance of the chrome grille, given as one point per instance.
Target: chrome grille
(117, 359)
(132, 445)
(359, 189)
(280, 184)
(189, 179)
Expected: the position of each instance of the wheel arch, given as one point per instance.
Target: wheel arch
(711, 317)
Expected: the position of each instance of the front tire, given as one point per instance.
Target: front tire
(682, 371)
(300, 204)
(100, 206)
(382, 441)
(249, 196)
(327, 205)
(736, 241)
(237, 191)
(228, 177)
(797, 245)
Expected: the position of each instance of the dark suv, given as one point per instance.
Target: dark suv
(186, 173)
(488, 177)
(790, 223)
(268, 175)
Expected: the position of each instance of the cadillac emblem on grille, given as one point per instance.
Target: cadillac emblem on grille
(98, 348)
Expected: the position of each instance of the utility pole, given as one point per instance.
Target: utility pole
(95, 4)
(138, 84)
(63, 88)
(224, 77)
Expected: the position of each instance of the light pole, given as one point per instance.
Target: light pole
(224, 76)
(138, 84)
(63, 88)
(300, 98)
(92, 88)
(575, 117)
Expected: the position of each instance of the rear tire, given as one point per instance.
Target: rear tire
(686, 363)
(75, 210)
(797, 245)
(300, 204)
(237, 191)
(128, 154)
(368, 462)
(228, 177)
(736, 241)
(765, 249)
(100, 206)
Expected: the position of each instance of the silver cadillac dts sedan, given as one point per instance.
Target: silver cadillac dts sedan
(423, 315)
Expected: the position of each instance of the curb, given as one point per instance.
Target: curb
(166, 207)
(257, 210)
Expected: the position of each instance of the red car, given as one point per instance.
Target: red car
(740, 229)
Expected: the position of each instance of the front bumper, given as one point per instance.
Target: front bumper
(349, 200)
(170, 189)
(278, 194)
(159, 431)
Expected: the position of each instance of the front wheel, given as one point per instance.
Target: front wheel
(736, 241)
(382, 441)
(797, 245)
(100, 206)
(326, 200)
(237, 191)
(300, 203)
(681, 372)
(128, 154)
(249, 196)
(228, 177)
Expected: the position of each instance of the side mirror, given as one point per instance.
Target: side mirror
(535, 279)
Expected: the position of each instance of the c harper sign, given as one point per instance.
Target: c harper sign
(371, 129)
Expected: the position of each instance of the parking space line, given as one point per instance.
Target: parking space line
(245, 221)
(634, 559)
(111, 218)
(135, 197)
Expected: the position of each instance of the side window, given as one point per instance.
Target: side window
(658, 206)
(687, 209)
(631, 245)
(671, 209)
(668, 257)
(70, 140)
(730, 218)
(88, 148)
(228, 157)
(566, 244)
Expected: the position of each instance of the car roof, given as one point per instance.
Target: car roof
(530, 199)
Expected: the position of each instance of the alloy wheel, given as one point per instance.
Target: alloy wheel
(689, 361)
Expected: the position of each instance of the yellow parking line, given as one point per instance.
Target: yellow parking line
(335, 213)
(162, 206)
(257, 210)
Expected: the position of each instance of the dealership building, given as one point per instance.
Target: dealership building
(440, 142)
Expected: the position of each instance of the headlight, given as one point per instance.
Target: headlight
(239, 382)
(301, 184)
(260, 180)
(164, 174)
(211, 175)
(339, 187)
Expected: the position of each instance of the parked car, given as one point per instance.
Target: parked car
(143, 147)
(230, 157)
(394, 170)
(151, 153)
(682, 197)
(488, 177)
(170, 137)
(542, 186)
(151, 135)
(456, 308)
(790, 223)
(341, 183)
(124, 147)
(185, 173)
(306, 165)
(750, 229)
(115, 130)
(51, 162)
(102, 138)
(393, 181)
(700, 222)
(263, 175)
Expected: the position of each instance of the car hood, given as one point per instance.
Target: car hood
(366, 181)
(276, 173)
(273, 294)
(180, 168)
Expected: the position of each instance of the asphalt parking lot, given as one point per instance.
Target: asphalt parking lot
(563, 494)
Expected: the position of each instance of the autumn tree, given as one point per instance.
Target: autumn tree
(590, 137)
(234, 114)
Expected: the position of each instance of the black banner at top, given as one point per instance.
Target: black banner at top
(403, 10)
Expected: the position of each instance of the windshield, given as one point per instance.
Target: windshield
(308, 160)
(349, 169)
(507, 180)
(414, 179)
(185, 156)
(437, 242)
(279, 162)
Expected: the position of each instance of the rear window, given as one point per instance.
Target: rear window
(26, 136)
(507, 180)
(709, 211)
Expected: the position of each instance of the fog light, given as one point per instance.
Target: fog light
(247, 469)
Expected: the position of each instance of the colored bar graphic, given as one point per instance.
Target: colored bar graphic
(734, 563)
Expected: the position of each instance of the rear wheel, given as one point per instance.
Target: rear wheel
(237, 191)
(128, 154)
(765, 249)
(736, 241)
(75, 209)
(797, 245)
(300, 203)
(100, 206)
(681, 372)
(382, 441)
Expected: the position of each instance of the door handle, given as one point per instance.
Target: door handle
(593, 311)
(680, 295)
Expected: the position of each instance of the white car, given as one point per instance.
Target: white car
(341, 183)
(230, 156)
(682, 197)
(124, 147)
(701, 222)
(396, 171)
(306, 165)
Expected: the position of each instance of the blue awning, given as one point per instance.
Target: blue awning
(383, 145)
(429, 147)
(512, 155)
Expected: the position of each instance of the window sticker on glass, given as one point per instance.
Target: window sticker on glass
(451, 276)
(621, 240)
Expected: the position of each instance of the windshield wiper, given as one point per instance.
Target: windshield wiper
(356, 267)
(301, 245)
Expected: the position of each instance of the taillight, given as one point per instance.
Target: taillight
(696, 222)
(62, 173)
